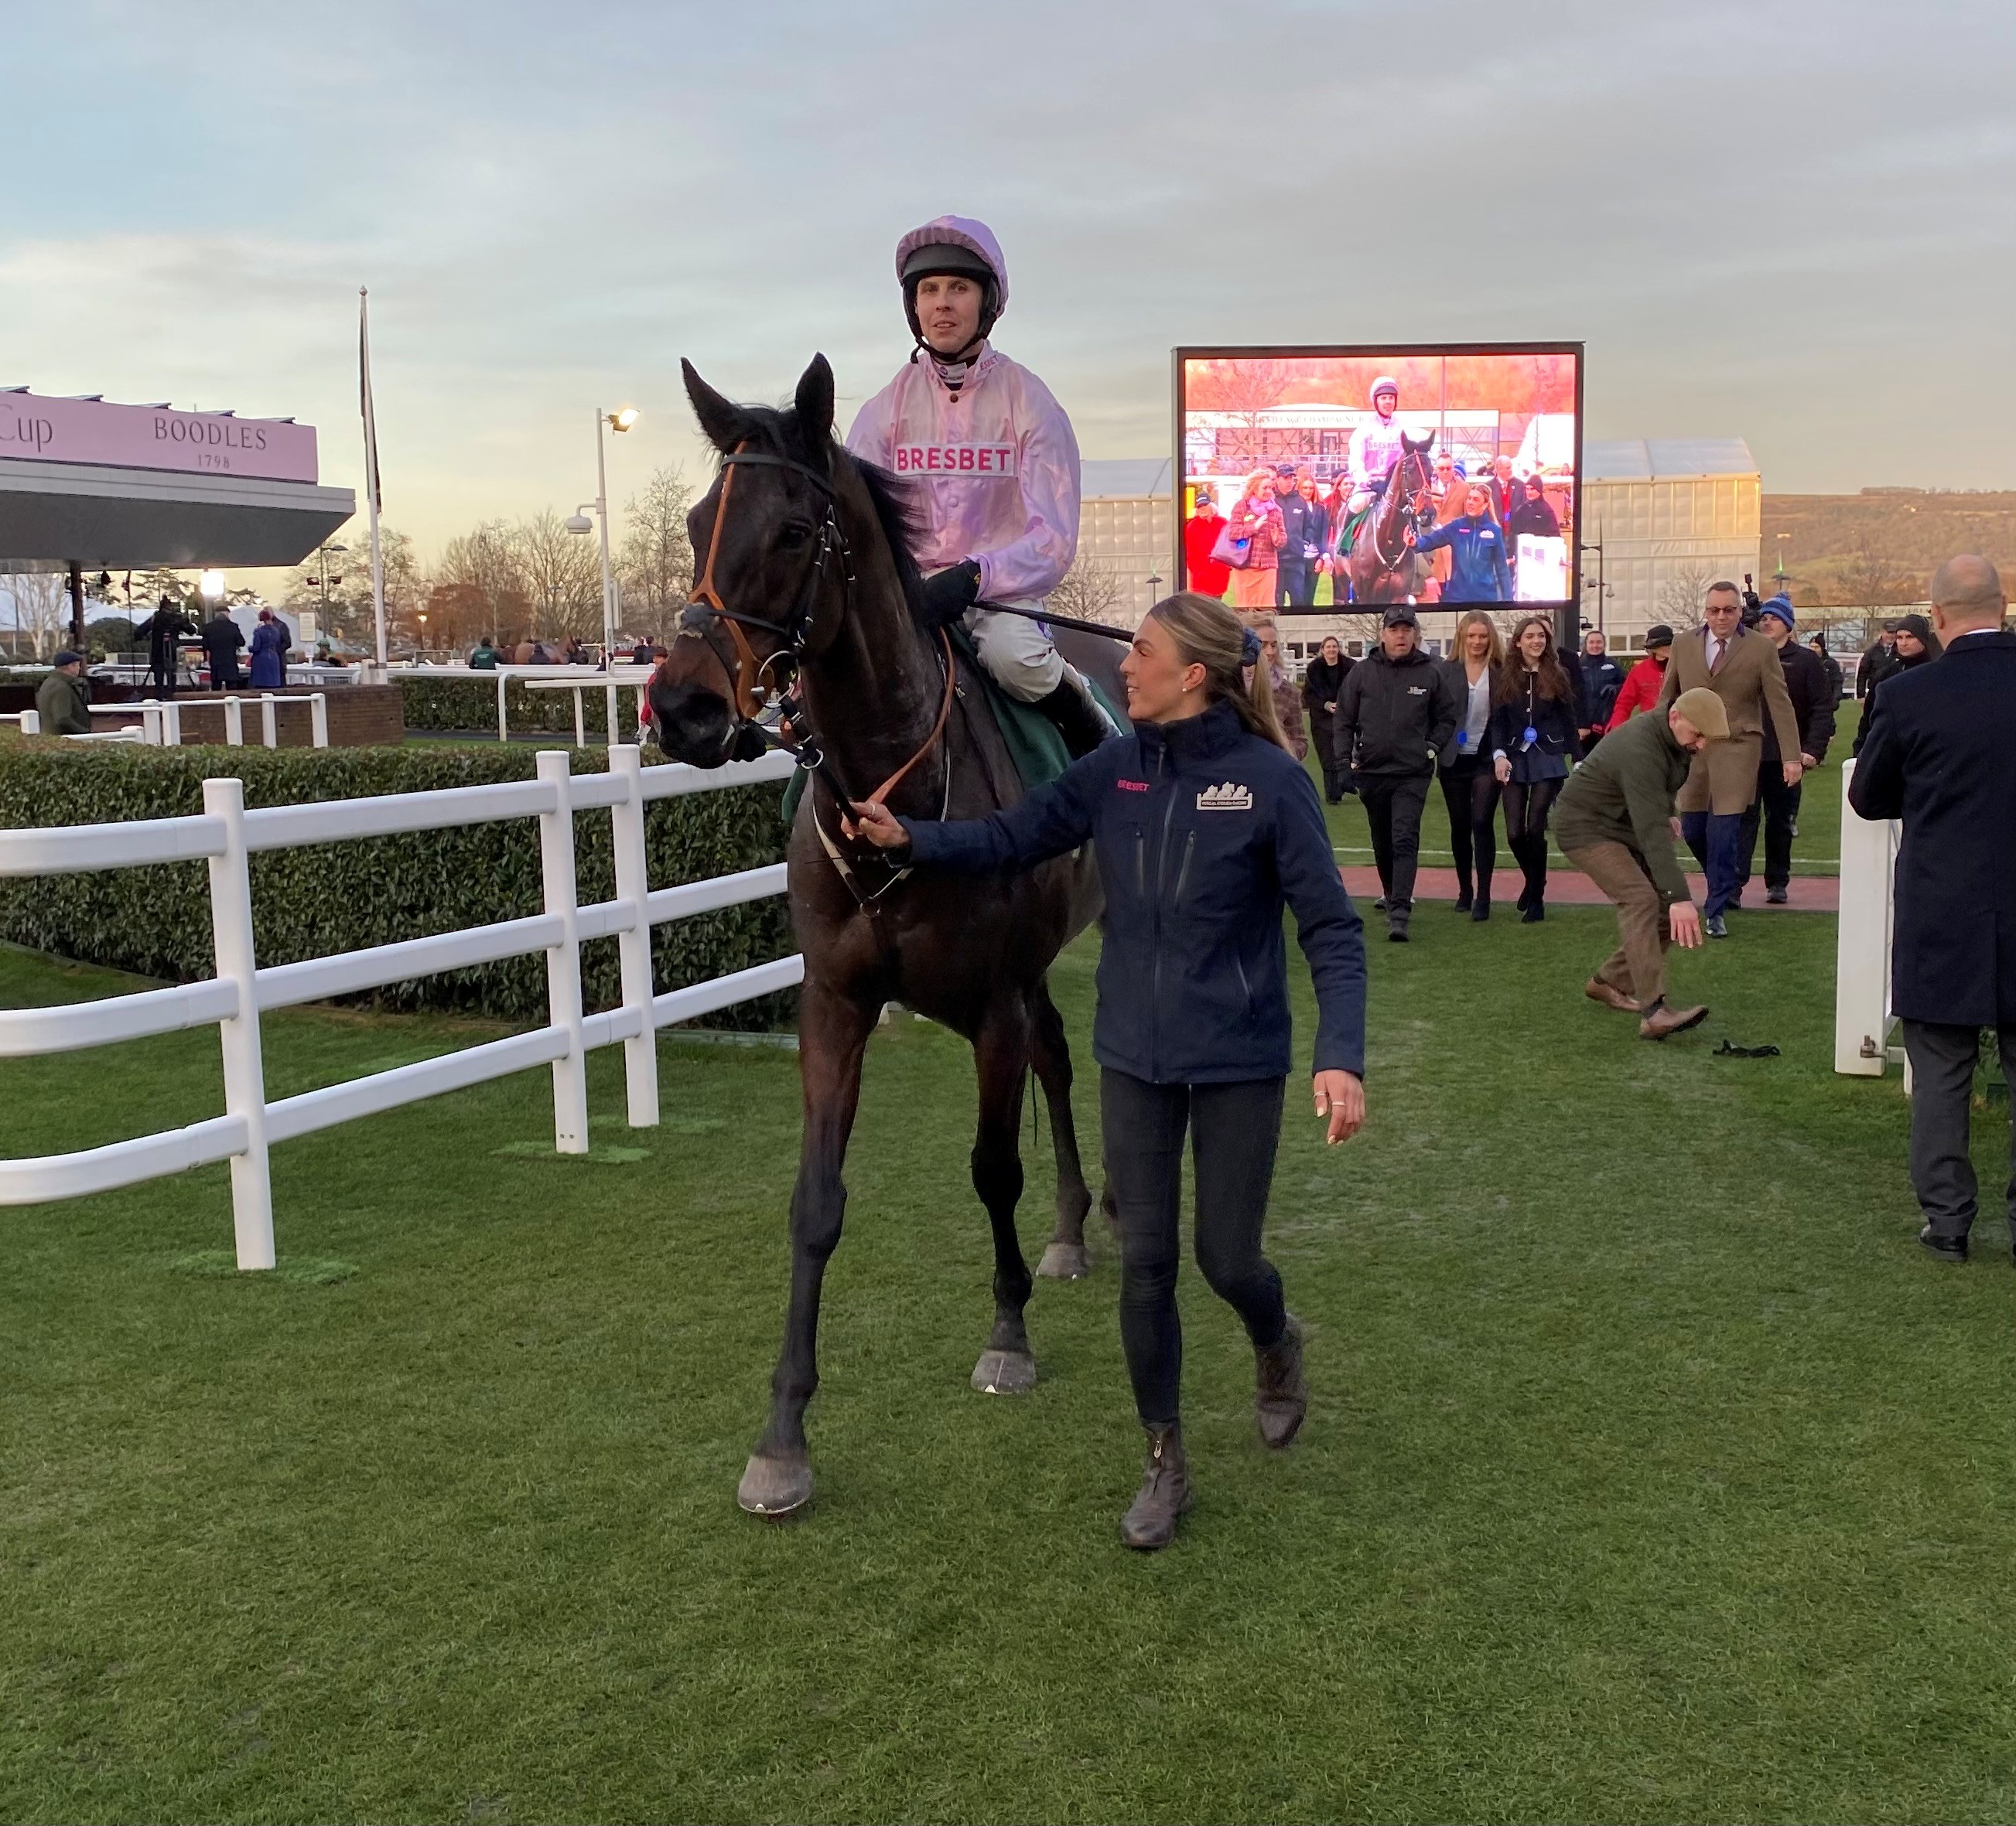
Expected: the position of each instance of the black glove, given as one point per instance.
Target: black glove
(951, 593)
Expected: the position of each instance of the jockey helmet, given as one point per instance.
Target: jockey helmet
(1385, 383)
(952, 245)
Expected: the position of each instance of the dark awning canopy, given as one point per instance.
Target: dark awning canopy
(111, 518)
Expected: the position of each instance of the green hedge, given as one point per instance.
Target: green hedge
(469, 705)
(333, 897)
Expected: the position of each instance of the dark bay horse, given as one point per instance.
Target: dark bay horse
(1382, 560)
(808, 573)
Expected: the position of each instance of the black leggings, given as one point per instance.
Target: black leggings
(1234, 1131)
(1470, 790)
(1526, 809)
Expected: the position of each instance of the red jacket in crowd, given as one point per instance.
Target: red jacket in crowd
(1640, 691)
(1208, 575)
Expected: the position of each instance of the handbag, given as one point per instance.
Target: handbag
(1227, 550)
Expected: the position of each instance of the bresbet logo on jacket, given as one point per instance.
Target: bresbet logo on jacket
(953, 459)
(1229, 797)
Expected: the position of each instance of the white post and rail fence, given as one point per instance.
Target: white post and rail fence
(1861, 1017)
(227, 835)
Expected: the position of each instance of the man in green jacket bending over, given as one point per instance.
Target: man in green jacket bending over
(1614, 821)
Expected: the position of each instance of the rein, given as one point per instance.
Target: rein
(1397, 494)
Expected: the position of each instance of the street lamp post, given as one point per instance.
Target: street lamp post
(620, 420)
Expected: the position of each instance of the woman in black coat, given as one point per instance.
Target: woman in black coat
(1533, 746)
(1917, 646)
(1322, 684)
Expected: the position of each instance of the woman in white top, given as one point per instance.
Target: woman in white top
(1470, 784)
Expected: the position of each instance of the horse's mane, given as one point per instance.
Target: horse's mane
(895, 510)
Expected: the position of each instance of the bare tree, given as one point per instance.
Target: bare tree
(484, 562)
(1870, 577)
(562, 574)
(655, 563)
(40, 617)
(1682, 595)
(1090, 591)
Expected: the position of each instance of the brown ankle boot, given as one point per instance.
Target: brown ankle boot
(1281, 1397)
(1150, 1520)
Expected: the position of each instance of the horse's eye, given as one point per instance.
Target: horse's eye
(794, 534)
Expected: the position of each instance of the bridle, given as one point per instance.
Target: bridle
(1404, 505)
(749, 677)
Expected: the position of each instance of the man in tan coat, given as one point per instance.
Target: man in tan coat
(1742, 668)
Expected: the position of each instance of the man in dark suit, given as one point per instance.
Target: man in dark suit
(1939, 757)
(1776, 807)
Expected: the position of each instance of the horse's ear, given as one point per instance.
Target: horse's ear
(724, 421)
(814, 404)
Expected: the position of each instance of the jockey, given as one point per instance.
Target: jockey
(1375, 448)
(994, 468)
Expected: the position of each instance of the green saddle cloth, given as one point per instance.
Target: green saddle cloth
(1031, 739)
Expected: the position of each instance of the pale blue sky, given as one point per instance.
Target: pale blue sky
(1791, 222)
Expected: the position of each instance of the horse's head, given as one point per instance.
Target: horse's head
(1413, 473)
(767, 540)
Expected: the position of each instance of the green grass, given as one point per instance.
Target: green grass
(1654, 1473)
(1816, 850)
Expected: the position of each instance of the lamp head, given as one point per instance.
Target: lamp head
(623, 420)
(211, 585)
(579, 523)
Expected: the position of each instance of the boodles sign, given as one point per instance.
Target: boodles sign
(154, 437)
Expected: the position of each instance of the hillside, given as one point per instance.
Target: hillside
(1883, 544)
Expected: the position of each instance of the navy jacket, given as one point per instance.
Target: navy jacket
(1601, 679)
(1306, 524)
(1939, 756)
(1202, 831)
(1553, 719)
(1478, 570)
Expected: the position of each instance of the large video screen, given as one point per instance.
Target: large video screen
(1332, 479)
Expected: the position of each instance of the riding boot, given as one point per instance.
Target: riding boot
(1281, 1397)
(1076, 714)
(1150, 1520)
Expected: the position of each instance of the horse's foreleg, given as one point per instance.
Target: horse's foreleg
(1065, 1258)
(832, 1032)
(1001, 1054)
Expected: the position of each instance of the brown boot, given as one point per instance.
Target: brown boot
(1596, 990)
(1150, 1520)
(1663, 1020)
(1281, 1398)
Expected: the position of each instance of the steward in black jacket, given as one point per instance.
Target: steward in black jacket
(1323, 686)
(1398, 713)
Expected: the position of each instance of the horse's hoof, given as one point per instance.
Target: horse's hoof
(1005, 1372)
(775, 1487)
(1065, 1261)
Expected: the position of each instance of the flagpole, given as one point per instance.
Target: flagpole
(371, 467)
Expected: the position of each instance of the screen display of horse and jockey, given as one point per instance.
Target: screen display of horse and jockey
(1321, 479)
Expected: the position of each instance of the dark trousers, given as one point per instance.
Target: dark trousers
(1337, 776)
(1295, 582)
(1393, 807)
(1942, 1061)
(1470, 791)
(1234, 1131)
(1777, 809)
(161, 674)
(1526, 804)
(1716, 840)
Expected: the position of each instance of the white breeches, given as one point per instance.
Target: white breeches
(1016, 652)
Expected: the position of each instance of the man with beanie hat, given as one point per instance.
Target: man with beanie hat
(993, 467)
(1776, 806)
(1615, 822)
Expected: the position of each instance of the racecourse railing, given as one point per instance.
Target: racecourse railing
(1862, 1018)
(227, 835)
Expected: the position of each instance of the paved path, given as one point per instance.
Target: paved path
(1811, 894)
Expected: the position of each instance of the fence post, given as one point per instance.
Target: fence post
(580, 727)
(244, 1069)
(610, 691)
(503, 715)
(234, 723)
(319, 720)
(269, 730)
(150, 722)
(640, 1056)
(1862, 941)
(563, 960)
(31, 723)
(171, 724)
